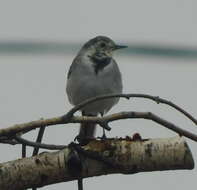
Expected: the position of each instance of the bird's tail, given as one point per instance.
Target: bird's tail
(86, 132)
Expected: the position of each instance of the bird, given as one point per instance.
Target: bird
(93, 73)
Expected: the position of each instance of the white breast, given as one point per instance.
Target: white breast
(83, 84)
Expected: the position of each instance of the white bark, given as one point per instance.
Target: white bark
(129, 157)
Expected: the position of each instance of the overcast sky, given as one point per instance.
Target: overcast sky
(34, 86)
(169, 21)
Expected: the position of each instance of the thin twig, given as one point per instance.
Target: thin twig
(23, 150)
(26, 127)
(111, 118)
(5, 140)
(39, 140)
(156, 99)
(66, 118)
(39, 145)
(69, 118)
(137, 115)
(80, 184)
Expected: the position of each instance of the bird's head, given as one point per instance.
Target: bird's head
(101, 46)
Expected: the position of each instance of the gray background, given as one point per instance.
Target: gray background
(33, 86)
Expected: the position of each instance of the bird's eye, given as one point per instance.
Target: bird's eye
(102, 45)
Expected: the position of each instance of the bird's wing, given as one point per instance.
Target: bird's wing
(72, 67)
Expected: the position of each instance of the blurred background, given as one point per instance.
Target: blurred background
(38, 41)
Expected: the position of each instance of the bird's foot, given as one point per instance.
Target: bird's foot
(103, 137)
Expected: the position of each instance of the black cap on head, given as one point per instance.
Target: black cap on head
(98, 39)
(103, 39)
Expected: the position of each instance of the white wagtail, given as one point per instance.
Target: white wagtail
(93, 73)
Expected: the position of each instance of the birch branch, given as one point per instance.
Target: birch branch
(97, 158)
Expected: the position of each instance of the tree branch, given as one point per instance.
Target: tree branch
(156, 99)
(97, 158)
(13, 130)
(21, 140)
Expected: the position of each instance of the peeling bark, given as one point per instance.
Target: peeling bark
(99, 158)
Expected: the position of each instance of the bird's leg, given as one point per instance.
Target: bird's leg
(86, 132)
(104, 135)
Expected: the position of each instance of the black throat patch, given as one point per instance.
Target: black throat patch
(100, 63)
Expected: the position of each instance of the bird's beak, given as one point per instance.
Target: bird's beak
(119, 47)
